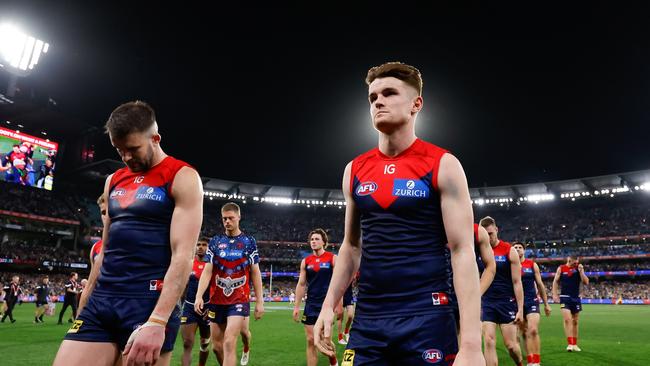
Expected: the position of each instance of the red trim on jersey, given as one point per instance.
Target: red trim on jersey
(527, 263)
(96, 249)
(503, 248)
(476, 237)
(169, 164)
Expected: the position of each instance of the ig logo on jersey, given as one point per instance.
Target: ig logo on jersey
(366, 188)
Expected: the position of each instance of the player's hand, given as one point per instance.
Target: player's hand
(259, 310)
(323, 332)
(469, 358)
(519, 318)
(198, 306)
(144, 344)
(547, 309)
(581, 268)
(296, 314)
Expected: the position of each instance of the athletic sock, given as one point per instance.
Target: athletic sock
(246, 348)
(529, 358)
(575, 341)
(537, 358)
(340, 336)
(333, 360)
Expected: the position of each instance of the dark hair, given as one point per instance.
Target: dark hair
(136, 116)
(407, 73)
(204, 239)
(322, 234)
(72, 274)
(519, 243)
(487, 221)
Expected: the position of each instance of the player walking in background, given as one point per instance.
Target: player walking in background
(570, 275)
(191, 320)
(70, 298)
(97, 247)
(42, 295)
(503, 303)
(315, 275)
(12, 292)
(531, 280)
(155, 211)
(232, 263)
(407, 223)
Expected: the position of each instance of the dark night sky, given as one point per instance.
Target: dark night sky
(277, 96)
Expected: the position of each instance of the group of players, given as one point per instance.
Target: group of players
(19, 167)
(407, 235)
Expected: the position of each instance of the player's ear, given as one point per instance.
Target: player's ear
(156, 138)
(418, 103)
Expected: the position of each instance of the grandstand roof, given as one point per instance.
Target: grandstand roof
(579, 187)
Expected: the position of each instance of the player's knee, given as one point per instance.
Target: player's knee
(188, 343)
(490, 341)
(310, 339)
(512, 346)
(532, 332)
(574, 322)
(230, 342)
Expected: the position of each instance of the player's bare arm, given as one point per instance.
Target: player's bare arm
(348, 262)
(542, 289)
(555, 289)
(487, 256)
(97, 265)
(583, 276)
(184, 232)
(515, 270)
(300, 291)
(259, 291)
(458, 219)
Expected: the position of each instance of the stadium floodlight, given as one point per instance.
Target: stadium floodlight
(19, 50)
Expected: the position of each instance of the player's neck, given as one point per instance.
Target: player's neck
(235, 232)
(399, 140)
(319, 252)
(200, 257)
(158, 156)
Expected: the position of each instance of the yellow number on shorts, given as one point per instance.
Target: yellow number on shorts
(211, 314)
(183, 319)
(75, 327)
(304, 318)
(562, 306)
(348, 357)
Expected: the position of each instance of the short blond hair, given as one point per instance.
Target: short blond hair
(487, 221)
(231, 206)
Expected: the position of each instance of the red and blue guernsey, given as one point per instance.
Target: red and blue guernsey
(232, 258)
(570, 280)
(501, 288)
(405, 262)
(319, 273)
(193, 283)
(138, 252)
(528, 280)
(95, 250)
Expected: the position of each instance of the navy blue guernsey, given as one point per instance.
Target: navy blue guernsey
(501, 287)
(405, 262)
(570, 280)
(528, 280)
(137, 252)
(193, 283)
(319, 273)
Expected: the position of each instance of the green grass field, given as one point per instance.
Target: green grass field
(610, 336)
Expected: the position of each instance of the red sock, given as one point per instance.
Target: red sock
(575, 341)
(569, 341)
(340, 336)
(529, 358)
(520, 364)
(333, 360)
(246, 348)
(347, 329)
(537, 358)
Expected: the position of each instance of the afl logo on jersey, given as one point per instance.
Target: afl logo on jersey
(432, 355)
(366, 188)
(118, 192)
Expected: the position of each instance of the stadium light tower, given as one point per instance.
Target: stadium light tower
(19, 53)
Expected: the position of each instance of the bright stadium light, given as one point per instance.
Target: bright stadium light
(19, 50)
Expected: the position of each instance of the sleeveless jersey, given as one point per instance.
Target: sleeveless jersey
(319, 273)
(405, 261)
(138, 252)
(193, 283)
(231, 258)
(501, 287)
(95, 250)
(528, 280)
(570, 280)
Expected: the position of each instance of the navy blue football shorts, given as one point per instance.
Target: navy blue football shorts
(219, 313)
(499, 311)
(113, 319)
(410, 340)
(574, 304)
